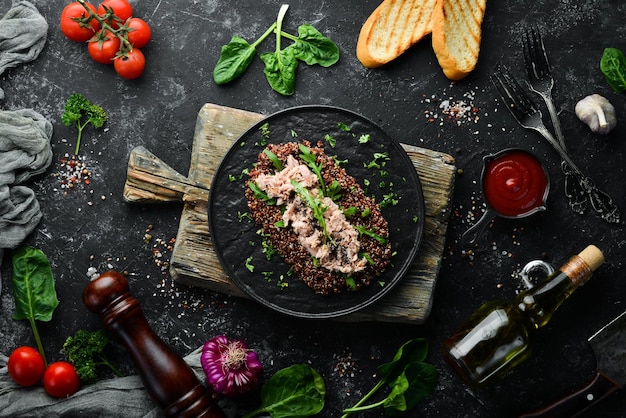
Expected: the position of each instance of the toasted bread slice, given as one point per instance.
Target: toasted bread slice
(456, 35)
(392, 28)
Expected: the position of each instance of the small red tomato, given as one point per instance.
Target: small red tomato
(60, 380)
(130, 66)
(139, 32)
(103, 47)
(122, 10)
(78, 30)
(26, 366)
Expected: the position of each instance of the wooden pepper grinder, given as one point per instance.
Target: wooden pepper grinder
(167, 378)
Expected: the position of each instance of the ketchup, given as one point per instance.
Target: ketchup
(515, 183)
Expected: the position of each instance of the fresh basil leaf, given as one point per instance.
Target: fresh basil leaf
(613, 67)
(280, 70)
(234, 60)
(314, 48)
(33, 286)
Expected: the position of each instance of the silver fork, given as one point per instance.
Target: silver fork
(529, 116)
(540, 81)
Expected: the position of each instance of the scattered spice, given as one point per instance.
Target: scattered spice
(346, 366)
(166, 287)
(448, 108)
(73, 171)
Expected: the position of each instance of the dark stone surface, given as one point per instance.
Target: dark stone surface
(92, 226)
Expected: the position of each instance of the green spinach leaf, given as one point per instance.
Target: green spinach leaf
(280, 66)
(410, 352)
(297, 391)
(314, 48)
(234, 60)
(413, 385)
(613, 67)
(33, 289)
(280, 70)
(409, 378)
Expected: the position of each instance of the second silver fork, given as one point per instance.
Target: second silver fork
(540, 81)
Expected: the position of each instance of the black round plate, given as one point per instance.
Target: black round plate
(235, 237)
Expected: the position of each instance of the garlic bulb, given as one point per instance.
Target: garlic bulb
(597, 112)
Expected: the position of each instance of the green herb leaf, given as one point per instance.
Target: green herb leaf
(311, 160)
(367, 232)
(80, 112)
(33, 289)
(315, 204)
(260, 194)
(280, 70)
(278, 165)
(314, 48)
(235, 58)
(417, 380)
(411, 351)
(33, 285)
(293, 392)
(408, 377)
(613, 67)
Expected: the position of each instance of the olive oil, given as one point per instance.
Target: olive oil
(497, 336)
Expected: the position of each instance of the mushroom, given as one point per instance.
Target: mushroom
(597, 112)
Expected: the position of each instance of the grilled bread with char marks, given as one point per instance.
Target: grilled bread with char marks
(456, 35)
(392, 28)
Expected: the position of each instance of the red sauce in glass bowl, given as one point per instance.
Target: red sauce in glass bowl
(515, 183)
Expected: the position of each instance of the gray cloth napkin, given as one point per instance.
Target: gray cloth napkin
(23, 33)
(119, 397)
(24, 134)
(25, 151)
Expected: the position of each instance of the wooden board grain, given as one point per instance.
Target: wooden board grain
(194, 262)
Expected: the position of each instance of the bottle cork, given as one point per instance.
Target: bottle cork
(592, 256)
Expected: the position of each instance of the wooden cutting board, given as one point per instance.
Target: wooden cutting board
(193, 260)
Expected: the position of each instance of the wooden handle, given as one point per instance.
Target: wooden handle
(167, 378)
(574, 404)
(148, 179)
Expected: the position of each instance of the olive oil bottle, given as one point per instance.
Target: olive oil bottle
(497, 336)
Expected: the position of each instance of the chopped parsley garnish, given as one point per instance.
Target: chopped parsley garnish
(242, 216)
(265, 133)
(249, 265)
(343, 127)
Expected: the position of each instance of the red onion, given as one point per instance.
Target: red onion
(230, 367)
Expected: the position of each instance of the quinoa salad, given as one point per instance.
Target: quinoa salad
(318, 218)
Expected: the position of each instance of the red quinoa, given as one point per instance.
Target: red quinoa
(320, 279)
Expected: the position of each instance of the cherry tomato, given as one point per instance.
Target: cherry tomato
(26, 366)
(60, 380)
(121, 8)
(139, 33)
(78, 31)
(103, 47)
(130, 66)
